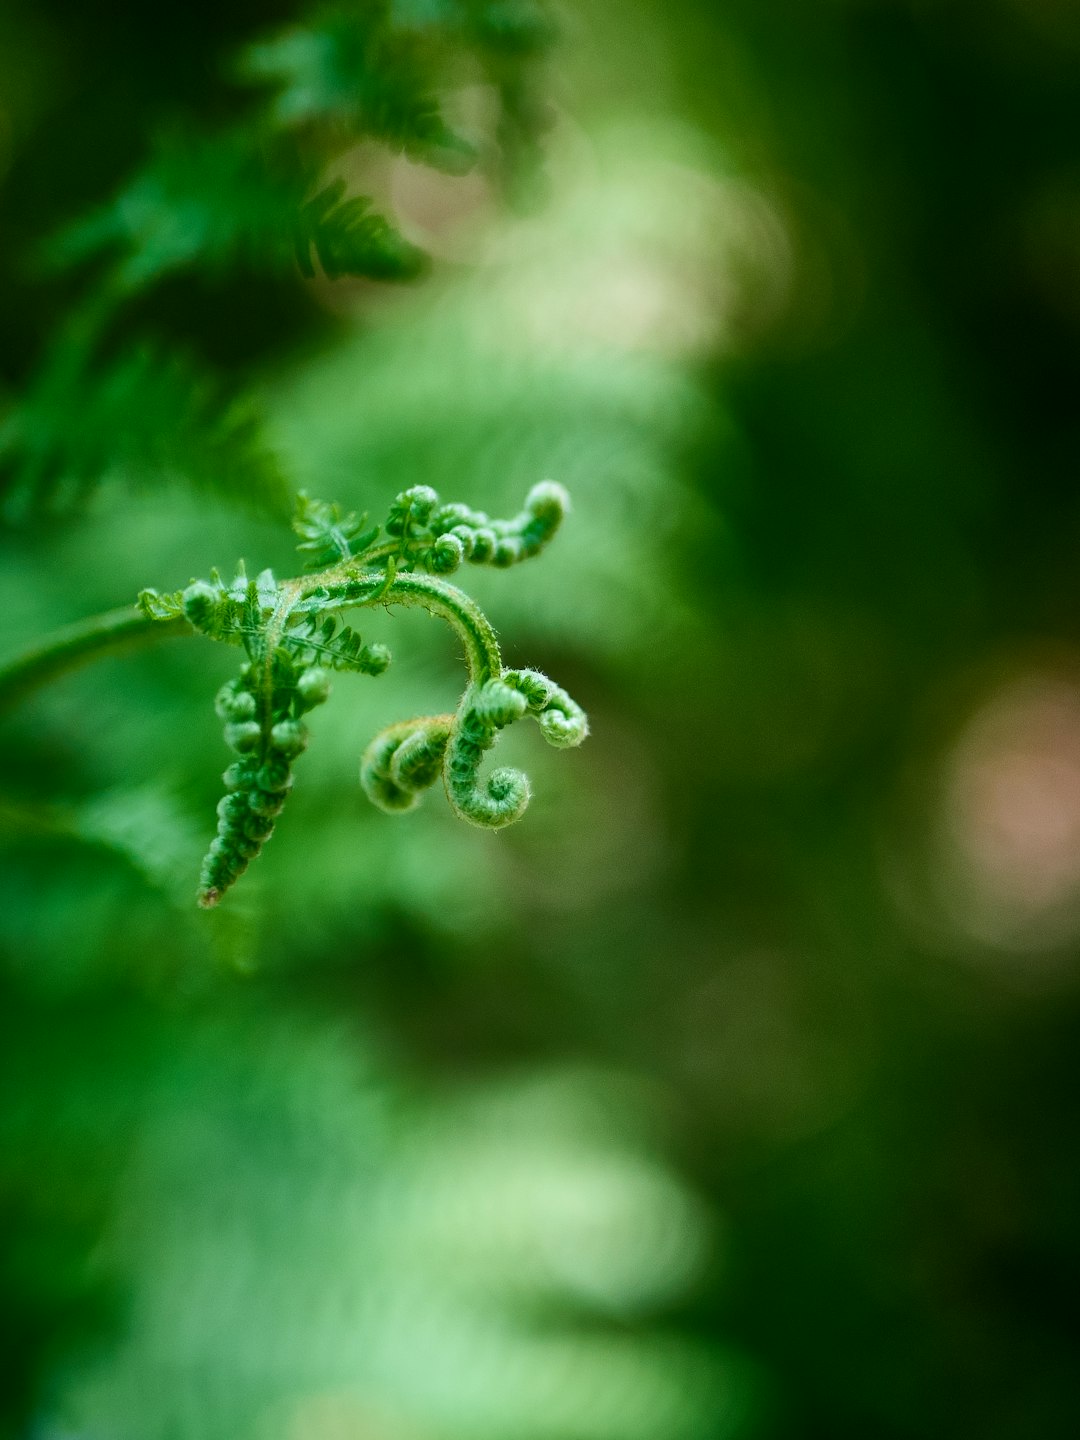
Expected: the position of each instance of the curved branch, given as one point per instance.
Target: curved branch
(74, 644)
(129, 626)
(426, 592)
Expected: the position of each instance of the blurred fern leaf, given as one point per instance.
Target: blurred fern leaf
(154, 415)
(349, 239)
(212, 201)
(364, 72)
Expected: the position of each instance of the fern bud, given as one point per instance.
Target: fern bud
(156, 606)
(562, 721)
(243, 737)
(235, 704)
(562, 730)
(446, 554)
(483, 546)
(244, 845)
(417, 762)
(232, 807)
(375, 779)
(258, 827)
(237, 776)
(498, 802)
(496, 704)
(466, 537)
(548, 503)
(201, 603)
(422, 500)
(484, 541)
(411, 507)
(374, 659)
(537, 689)
(453, 517)
(288, 738)
(266, 802)
(274, 776)
(313, 687)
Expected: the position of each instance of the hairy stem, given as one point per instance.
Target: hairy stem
(127, 627)
(426, 592)
(77, 643)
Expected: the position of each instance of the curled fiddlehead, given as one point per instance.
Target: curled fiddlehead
(257, 783)
(262, 710)
(440, 537)
(404, 760)
(293, 639)
(407, 758)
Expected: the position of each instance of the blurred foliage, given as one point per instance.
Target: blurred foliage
(733, 1093)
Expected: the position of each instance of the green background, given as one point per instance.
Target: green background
(732, 1093)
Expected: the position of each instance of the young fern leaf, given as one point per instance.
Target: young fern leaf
(483, 712)
(438, 538)
(407, 758)
(404, 760)
(326, 534)
(327, 642)
(562, 721)
(236, 613)
(261, 710)
(293, 640)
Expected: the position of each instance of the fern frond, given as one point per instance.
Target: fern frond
(348, 238)
(404, 760)
(213, 200)
(440, 537)
(361, 72)
(262, 710)
(237, 613)
(222, 202)
(267, 735)
(327, 534)
(251, 198)
(293, 643)
(407, 758)
(325, 641)
(286, 675)
(150, 417)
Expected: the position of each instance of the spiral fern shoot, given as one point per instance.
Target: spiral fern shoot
(293, 639)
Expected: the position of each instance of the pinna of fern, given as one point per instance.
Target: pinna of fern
(255, 199)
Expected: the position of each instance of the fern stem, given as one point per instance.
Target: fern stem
(426, 592)
(127, 626)
(76, 643)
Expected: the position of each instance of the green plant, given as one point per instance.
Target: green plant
(257, 198)
(292, 637)
(244, 205)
